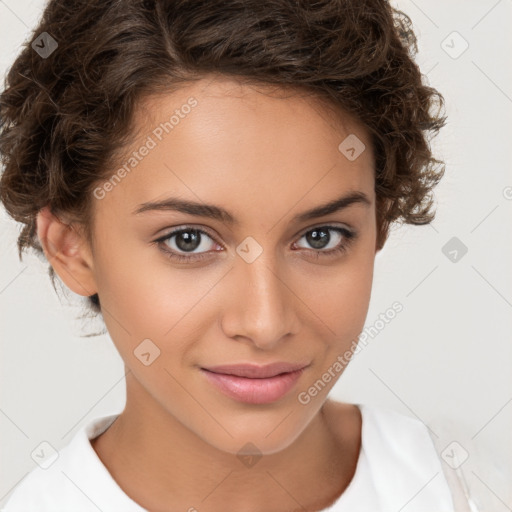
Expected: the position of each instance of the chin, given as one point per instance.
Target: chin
(266, 432)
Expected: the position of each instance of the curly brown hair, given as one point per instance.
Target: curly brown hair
(65, 117)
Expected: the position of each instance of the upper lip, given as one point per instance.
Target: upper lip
(257, 372)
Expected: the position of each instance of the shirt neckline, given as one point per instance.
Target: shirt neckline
(99, 425)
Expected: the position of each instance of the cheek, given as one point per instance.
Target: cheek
(143, 296)
(337, 299)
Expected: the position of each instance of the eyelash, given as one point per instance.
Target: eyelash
(349, 236)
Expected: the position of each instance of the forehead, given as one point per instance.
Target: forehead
(242, 144)
(222, 95)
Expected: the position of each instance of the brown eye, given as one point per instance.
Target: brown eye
(320, 238)
(180, 244)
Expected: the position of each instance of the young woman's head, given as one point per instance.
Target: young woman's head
(217, 178)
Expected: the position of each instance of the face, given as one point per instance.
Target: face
(187, 289)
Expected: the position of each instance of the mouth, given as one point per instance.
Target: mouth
(255, 384)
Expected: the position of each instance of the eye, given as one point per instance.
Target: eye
(180, 244)
(324, 244)
(185, 239)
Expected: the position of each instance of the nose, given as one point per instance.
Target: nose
(261, 308)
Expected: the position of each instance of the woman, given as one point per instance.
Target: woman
(217, 179)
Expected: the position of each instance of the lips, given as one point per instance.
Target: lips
(255, 384)
(257, 372)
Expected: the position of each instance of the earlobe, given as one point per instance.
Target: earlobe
(67, 251)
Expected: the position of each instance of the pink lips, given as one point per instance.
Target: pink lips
(255, 384)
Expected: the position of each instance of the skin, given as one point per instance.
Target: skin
(265, 158)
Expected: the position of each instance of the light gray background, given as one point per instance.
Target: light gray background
(446, 358)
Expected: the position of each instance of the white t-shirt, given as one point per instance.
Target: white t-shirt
(398, 470)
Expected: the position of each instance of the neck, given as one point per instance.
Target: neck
(157, 460)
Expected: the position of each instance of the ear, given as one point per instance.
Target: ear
(67, 251)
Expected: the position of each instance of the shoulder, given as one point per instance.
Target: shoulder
(383, 432)
(398, 463)
(401, 440)
(389, 426)
(65, 480)
(48, 489)
(402, 457)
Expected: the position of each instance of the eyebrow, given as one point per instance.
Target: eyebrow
(218, 213)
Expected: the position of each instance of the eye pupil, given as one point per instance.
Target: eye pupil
(317, 240)
(188, 240)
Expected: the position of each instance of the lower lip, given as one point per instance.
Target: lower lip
(254, 391)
